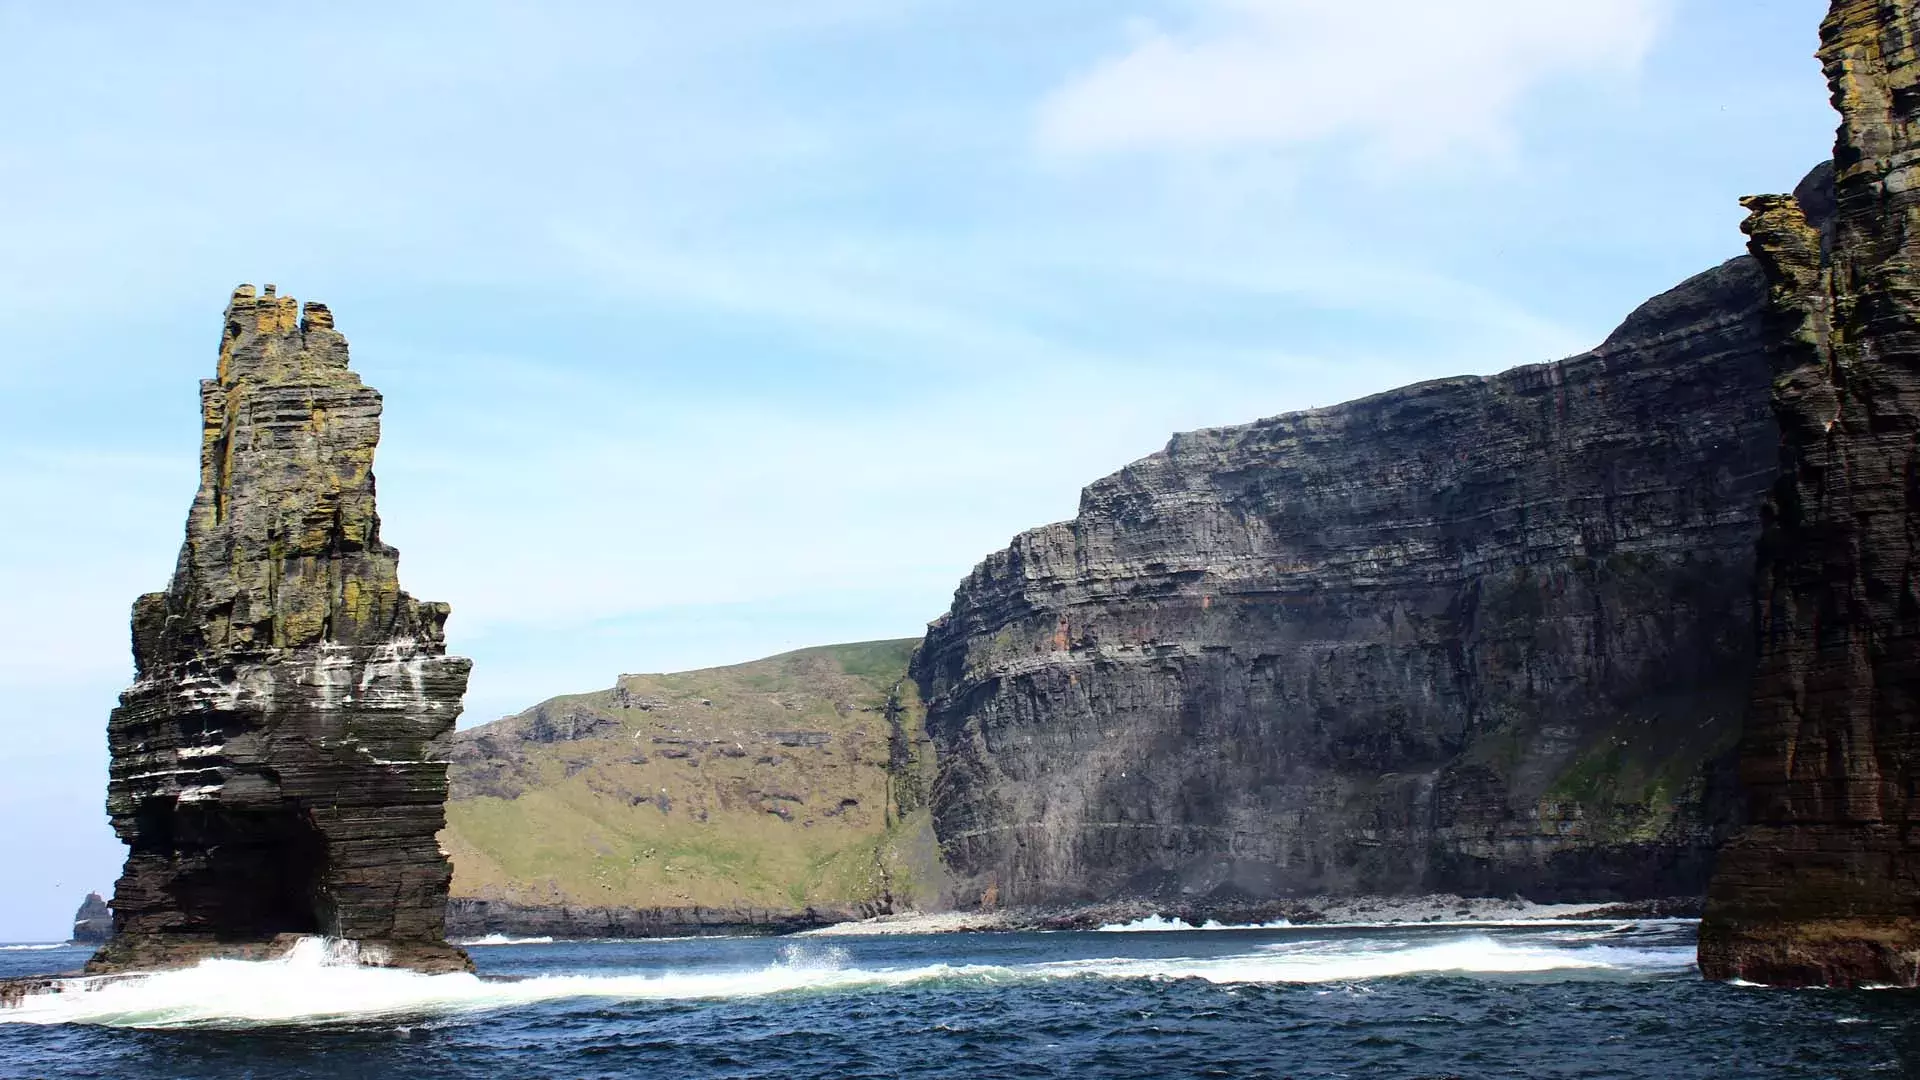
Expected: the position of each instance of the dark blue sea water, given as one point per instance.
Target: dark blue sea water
(1601, 1000)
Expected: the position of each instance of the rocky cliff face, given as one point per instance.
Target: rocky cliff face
(271, 769)
(1824, 886)
(1480, 635)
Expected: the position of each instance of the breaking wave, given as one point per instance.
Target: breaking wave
(1154, 923)
(1506, 924)
(314, 984)
(37, 947)
(1360, 959)
(503, 939)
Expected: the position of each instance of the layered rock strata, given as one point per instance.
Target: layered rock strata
(273, 768)
(1823, 886)
(1478, 635)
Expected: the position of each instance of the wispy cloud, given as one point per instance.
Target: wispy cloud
(1399, 79)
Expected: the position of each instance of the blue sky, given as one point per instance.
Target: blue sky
(709, 330)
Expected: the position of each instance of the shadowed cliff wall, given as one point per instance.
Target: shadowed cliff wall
(1824, 886)
(1486, 635)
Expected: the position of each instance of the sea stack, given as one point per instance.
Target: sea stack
(1823, 885)
(275, 767)
(93, 922)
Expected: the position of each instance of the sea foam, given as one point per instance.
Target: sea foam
(1156, 924)
(316, 983)
(1355, 960)
(503, 939)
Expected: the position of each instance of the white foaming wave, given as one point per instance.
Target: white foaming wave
(39, 948)
(1341, 962)
(503, 939)
(314, 984)
(1156, 924)
(1501, 924)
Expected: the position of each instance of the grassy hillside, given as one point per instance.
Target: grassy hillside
(794, 781)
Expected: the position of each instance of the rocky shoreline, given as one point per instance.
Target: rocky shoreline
(473, 919)
(1311, 911)
(469, 920)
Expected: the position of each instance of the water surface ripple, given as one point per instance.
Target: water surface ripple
(1601, 1000)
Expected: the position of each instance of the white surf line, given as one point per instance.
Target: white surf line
(309, 987)
(1499, 924)
(1155, 924)
(1478, 955)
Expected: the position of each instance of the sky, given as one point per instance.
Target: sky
(711, 330)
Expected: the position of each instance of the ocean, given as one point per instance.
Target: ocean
(1606, 999)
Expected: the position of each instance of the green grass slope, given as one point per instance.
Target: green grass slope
(789, 782)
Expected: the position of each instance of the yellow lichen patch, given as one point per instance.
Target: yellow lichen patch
(276, 314)
(359, 608)
(355, 605)
(302, 609)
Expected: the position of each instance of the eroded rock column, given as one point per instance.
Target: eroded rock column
(1823, 887)
(274, 765)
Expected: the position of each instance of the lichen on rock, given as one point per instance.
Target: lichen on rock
(275, 767)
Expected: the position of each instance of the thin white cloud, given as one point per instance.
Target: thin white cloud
(1405, 79)
(1010, 302)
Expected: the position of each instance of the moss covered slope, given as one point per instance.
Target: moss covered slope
(786, 783)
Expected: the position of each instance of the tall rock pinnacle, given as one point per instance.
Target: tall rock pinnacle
(271, 766)
(1823, 886)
